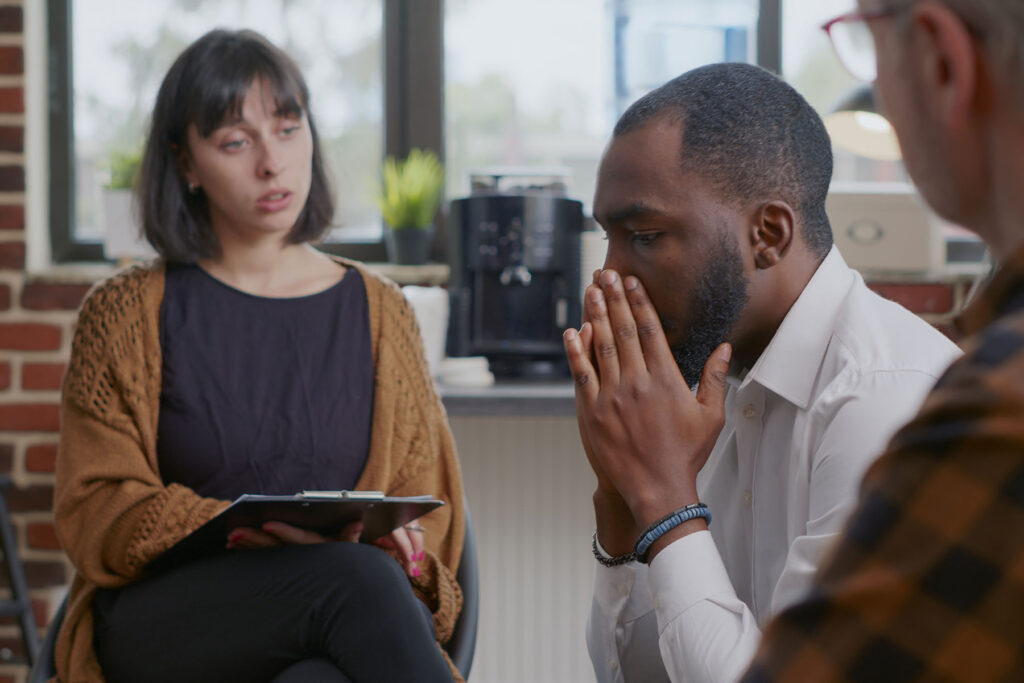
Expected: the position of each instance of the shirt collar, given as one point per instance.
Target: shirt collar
(789, 364)
(1003, 293)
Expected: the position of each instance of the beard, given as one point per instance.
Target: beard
(716, 302)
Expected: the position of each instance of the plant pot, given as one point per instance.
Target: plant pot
(408, 246)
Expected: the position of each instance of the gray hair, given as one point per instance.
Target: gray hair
(998, 25)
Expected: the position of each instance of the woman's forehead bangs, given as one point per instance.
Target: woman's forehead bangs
(217, 98)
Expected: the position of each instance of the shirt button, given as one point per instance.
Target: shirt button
(749, 410)
(623, 589)
(613, 664)
(656, 602)
(748, 498)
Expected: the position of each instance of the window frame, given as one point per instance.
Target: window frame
(413, 82)
(413, 43)
(769, 35)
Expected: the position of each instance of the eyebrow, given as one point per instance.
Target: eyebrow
(637, 209)
(284, 110)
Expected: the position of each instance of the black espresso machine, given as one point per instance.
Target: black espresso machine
(514, 251)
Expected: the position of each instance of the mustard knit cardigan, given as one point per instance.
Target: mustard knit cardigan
(114, 514)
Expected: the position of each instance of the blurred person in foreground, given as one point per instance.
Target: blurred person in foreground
(927, 582)
(721, 272)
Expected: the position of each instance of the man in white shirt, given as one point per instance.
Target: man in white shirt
(721, 273)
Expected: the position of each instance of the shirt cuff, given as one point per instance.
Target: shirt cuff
(684, 573)
(621, 591)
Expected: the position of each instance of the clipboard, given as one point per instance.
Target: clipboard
(326, 512)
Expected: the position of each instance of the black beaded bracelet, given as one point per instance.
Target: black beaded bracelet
(609, 561)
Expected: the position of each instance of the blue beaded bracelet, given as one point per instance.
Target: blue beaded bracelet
(669, 521)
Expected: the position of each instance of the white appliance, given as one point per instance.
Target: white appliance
(885, 227)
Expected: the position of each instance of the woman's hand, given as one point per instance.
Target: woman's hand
(407, 542)
(278, 533)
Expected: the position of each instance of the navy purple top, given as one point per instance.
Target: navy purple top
(263, 395)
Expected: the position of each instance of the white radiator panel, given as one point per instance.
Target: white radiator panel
(529, 489)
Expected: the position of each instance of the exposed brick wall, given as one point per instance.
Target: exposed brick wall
(36, 319)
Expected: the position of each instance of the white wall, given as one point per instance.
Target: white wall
(529, 489)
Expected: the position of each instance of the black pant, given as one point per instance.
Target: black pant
(252, 615)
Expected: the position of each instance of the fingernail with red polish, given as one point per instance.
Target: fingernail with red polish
(415, 571)
(412, 557)
(421, 555)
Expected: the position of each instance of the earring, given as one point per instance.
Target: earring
(193, 188)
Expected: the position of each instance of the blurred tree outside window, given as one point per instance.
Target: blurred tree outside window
(123, 48)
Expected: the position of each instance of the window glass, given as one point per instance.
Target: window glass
(656, 40)
(810, 65)
(540, 84)
(122, 49)
(808, 60)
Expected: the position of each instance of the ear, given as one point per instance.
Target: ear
(771, 233)
(185, 164)
(948, 61)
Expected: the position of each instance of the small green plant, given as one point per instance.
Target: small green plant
(124, 166)
(410, 190)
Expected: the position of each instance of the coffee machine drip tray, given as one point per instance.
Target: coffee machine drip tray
(518, 367)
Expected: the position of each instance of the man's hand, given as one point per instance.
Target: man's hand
(616, 529)
(586, 337)
(644, 430)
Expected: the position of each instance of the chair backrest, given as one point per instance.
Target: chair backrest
(460, 647)
(44, 669)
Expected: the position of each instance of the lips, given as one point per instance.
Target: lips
(274, 200)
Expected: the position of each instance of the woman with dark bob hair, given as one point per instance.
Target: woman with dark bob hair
(245, 361)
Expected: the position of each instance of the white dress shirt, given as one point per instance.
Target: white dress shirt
(843, 372)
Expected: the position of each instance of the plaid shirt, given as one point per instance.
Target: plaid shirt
(927, 580)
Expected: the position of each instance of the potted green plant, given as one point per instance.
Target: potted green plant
(123, 238)
(410, 192)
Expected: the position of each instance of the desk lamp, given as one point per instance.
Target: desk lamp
(856, 126)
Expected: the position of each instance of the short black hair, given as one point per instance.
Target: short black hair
(751, 135)
(206, 86)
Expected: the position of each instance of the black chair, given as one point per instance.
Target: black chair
(461, 647)
(44, 669)
(19, 605)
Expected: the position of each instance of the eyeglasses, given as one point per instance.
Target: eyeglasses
(852, 41)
